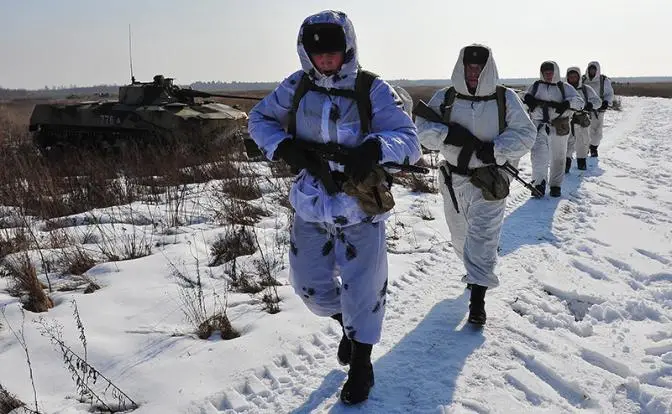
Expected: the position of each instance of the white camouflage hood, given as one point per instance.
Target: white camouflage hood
(556, 72)
(487, 82)
(351, 62)
(578, 72)
(598, 70)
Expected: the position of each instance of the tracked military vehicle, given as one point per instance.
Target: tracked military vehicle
(146, 113)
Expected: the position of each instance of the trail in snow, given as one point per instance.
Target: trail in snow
(566, 297)
(581, 322)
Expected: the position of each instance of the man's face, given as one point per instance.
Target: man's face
(472, 73)
(548, 75)
(573, 79)
(328, 63)
(592, 71)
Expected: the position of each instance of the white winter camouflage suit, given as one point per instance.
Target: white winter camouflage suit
(549, 147)
(331, 236)
(597, 118)
(476, 228)
(579, 137)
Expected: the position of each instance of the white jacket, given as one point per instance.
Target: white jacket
(585, 91)
(608, 92)
(551, 92)
(481, 118)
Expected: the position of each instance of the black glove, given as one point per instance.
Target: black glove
(487, 153)
(296, 157)
(457, 135)
(588, 107)
(531, 101)
(362, 159)
(561, 107)
(604, 106)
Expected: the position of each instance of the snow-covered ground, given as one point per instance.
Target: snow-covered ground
(582, 321)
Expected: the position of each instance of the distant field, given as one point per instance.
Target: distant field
(14, 115)
(663, 90)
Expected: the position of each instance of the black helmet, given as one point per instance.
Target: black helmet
(323, 38)
(475, 55)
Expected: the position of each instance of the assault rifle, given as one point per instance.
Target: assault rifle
(332, 151)
(424, 111)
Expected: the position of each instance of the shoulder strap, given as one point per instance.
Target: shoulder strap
(361, 95)
(501, 107)
(363, 85)
(448, 101)
(299, 93)
(602, 86)
(561, 86)
(585, 93)
(499, 96)
(535, 88)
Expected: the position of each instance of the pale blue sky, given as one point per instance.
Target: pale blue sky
(85, 42)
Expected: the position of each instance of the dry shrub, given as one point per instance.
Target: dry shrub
(83, 179)
(271, 301)
(652, 89)
(76, 261)
(241, 188)
(23, 276)
(244, 283)
(232, 244)
(13, 125)
(8, 402)
(239, 212)
(219, 322)
(119, 244)
(13, 243)
(417, 183)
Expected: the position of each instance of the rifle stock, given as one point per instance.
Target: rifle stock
(423, 110)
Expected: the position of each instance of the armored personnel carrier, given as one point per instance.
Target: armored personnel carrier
(146, 113)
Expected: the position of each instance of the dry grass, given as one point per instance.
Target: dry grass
(8, 402)
(232, 244)
(23, 276)
(417, 183)
(13, 242)
(661, 90)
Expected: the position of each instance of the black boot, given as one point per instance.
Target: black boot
(360, 377)
(581, 163)
(593, 150)
(568, 164)
(345, 346)
(542, 189)
(477, 305)
(555, 192)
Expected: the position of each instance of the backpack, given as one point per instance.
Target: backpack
(535, 88)
(499, 95)
(559, 84)
(360, 95)
(602, 78)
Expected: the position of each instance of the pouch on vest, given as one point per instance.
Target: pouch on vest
(561, 125)
(373, 194)
(491, 182)
(582, 119)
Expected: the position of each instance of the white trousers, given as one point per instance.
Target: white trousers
(596, 128)
(548, 154)
(579, 141)
(475, 229)
(320, 253)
